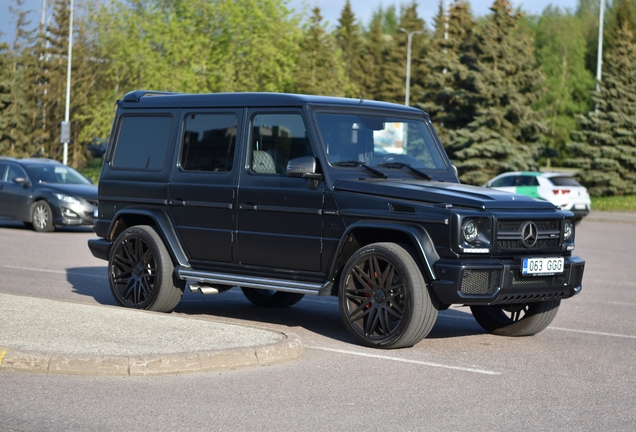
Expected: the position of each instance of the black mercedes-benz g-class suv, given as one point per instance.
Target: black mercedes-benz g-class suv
(286, 195)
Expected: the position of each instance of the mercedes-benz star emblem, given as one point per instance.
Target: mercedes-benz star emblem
(529, 234)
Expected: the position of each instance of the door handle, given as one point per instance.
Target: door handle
(177, 201)
(248, 206)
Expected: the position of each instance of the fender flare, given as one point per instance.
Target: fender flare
(163, 226)
(416, 233)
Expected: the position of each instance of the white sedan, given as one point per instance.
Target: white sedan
(558, 188)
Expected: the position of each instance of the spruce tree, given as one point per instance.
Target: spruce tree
(6, 80)
(505, 132)
(605, 144)
(319, 69)
(393, 87)
(621, 13)
(349, 40)
(373, 56)
(449, 87)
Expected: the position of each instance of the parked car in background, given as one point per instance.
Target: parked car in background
(558, 188)
(44, 193)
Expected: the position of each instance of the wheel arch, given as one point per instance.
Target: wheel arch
(364, 233)
(157, 219)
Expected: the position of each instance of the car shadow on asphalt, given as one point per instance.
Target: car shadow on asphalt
(11, 224)
(91, 282)
(319, 315)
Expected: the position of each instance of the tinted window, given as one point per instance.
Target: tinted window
(527, 181)
(508, 181)
(564, 181)
(13, 172)
(276, 139)
(3, 171)
(208, 142)
(142, 142)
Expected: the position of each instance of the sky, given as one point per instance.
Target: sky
(330, 9)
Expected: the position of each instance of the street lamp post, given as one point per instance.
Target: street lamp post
(599, 54)
(66, 127)
(409, 35)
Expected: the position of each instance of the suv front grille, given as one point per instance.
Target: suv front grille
(510, 234)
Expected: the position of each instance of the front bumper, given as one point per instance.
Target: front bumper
(74, 214)
(100, 248)
(491, 282)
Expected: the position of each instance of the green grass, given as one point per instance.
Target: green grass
(93, 169)
(616, 203)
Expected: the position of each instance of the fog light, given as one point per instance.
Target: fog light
(69, 213)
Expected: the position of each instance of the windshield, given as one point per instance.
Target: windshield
(55, 174)
(376, 140)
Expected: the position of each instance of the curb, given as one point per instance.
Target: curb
(289, 349)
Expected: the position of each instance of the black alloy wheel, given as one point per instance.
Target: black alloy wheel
(269, 298)
(140, 271)
(518, 319)
(384, 300)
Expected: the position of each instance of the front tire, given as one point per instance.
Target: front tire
(519, 319)
(140, 271)
(267, 298)
(42, 217)
(383, 297)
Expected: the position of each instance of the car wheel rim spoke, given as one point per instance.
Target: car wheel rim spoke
(134, 271)
(375, 297)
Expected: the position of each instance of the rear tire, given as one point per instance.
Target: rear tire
(267, 298)
(519, 319)
(140, 271)
(384, 300)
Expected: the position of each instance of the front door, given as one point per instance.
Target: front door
(279, 218)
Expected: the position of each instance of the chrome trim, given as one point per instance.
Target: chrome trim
(253, 282)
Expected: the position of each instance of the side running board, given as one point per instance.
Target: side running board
(204, 277)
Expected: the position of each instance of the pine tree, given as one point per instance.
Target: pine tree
(621, 13)
(505, 132)
(560, 45)
(319, 70)
(449, 85)
(349, 40)
(605, 144)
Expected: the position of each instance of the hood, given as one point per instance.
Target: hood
(459, 195)
(86, 191)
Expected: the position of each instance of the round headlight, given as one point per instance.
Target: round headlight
(470, 231)
(568, 229)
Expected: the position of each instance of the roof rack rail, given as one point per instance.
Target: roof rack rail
(136, 95)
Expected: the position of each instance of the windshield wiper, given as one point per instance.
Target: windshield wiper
(355, 163)
(405, 165)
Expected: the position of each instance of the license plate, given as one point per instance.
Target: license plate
(542, 266)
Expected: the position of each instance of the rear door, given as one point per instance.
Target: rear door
(279, 218)
(202, 185)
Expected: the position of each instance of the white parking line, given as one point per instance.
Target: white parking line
(56, 271)
(402, 360)
(616, 335)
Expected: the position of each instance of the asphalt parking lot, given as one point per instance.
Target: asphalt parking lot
(578, 374)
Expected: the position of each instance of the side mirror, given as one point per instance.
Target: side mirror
(23, 181)
(304, 167)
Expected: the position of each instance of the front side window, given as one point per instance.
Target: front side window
(208, 142)
(377, 139)
(142, 142)
(507, 181)
(275, 139)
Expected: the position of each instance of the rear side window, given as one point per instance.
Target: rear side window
(142, 142)
(527, 181)
(563, 181)
(208, 142)
(508, 181)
